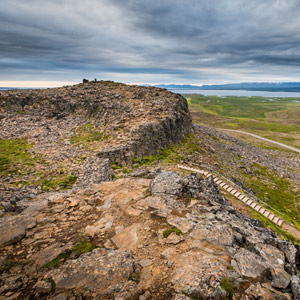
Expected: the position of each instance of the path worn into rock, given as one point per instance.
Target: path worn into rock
(247, 201)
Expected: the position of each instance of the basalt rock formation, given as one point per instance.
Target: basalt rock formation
(67, 126)
(138, 120)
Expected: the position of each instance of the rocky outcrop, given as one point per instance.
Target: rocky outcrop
(79, 130)
(139, 120)
(165, 244)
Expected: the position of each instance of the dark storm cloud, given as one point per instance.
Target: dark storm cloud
(190, 39)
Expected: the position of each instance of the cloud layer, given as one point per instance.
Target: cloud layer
(195, 41)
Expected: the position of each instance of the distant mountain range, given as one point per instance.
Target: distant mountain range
(249, 86)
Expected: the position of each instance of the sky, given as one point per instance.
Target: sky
(57, 42)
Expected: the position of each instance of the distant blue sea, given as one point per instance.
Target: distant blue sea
(237, 93)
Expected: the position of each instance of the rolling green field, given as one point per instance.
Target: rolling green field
(273, 118)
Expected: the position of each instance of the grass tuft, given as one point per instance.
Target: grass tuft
(227, 286)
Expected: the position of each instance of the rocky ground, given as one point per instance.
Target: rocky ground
(154, 231)
(172, 237)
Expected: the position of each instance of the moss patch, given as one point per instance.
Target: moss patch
(83, 247)
(87, 134)
(53, 285)
(59, 258)
(134, 277)
(171, 154)
(14, 156)
(61, 181)
(167, 232)
(77, 250)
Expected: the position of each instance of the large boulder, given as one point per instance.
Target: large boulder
(169, 183)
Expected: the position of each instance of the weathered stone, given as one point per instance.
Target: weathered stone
(295, 284)
(60, 297)
(219, 236)
(192, 186)
(102, 225)
(127, 239)
(128, 292)
(13, 229)
(281, 279)
(250, 265)
(192, 273)
(265, 292)
(168, 183)
(180, 297)
(13, 283)
(47, 254)
(94, 171)
(181, 223)
(289, 250)
(145, 263)
(102, 272)
(174, 239)
(43, 287)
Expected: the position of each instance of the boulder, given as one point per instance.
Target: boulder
(265, 292)
(169, 183)
(289, 250)
(250, 265)
(192, 185)
(281, 278)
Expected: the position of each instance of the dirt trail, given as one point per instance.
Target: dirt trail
(265, 139)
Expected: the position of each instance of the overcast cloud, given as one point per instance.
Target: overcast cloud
(150, 41)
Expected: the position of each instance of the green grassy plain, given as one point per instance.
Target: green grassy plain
(274, 118)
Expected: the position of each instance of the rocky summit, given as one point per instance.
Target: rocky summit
(94, 205)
